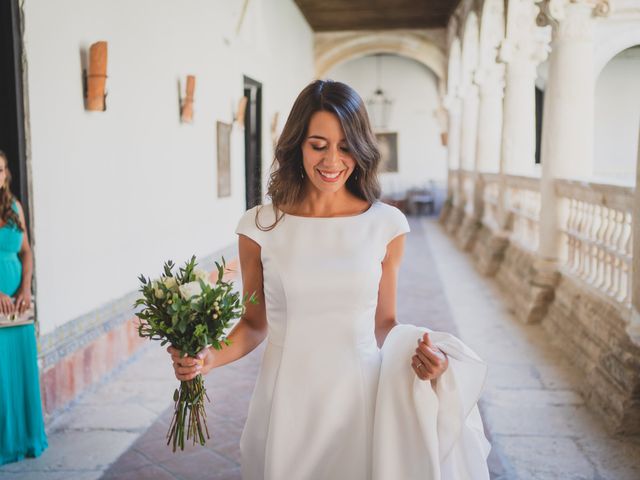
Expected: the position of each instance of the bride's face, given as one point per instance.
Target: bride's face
(325, 153)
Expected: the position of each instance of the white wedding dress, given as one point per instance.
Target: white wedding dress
(328, 404)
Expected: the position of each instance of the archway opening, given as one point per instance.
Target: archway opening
(410, 142)
(617, 118)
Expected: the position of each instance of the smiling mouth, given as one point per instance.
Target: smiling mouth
(330, 175)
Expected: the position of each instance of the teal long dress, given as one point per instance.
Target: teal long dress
(21, 425)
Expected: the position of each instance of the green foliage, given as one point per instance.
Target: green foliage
(189, 324)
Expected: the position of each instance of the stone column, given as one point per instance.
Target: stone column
(470, 104)
(567, 136)
(525, 47)
(455, 107)
(453, 139)
(452, 104)
(519, 130)
(634, 325)
(489, 81)
(469, 96)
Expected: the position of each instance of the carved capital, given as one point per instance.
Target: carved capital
(535, 50)
(490, 79)
(554, 12)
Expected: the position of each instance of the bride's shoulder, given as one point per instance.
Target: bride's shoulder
(387, 209)
(263, 214)
(392, 220)
(256, 221)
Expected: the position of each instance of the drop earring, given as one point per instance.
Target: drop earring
(301, 172)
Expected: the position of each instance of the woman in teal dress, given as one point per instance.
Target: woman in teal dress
(21, 425)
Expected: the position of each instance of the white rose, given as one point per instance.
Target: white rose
(157, 291)
(190, 289)
(201, 274)
(170, 283)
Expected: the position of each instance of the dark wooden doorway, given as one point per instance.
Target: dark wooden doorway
(12, 135)
(253, 142)
(539, 108)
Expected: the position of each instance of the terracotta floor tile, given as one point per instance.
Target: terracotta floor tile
(200, 465)
(151, 472)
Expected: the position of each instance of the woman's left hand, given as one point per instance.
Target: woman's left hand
(23, 300)
(429, 362)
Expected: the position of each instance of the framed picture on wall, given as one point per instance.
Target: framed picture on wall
(388, 146)
(223, 131)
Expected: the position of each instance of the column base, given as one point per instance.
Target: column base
(447, 207)
(454, 219)
(467, 233)
(633, 328)
(593, 332)
(528, 282)
(489, 249)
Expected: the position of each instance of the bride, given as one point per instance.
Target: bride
(344, 390)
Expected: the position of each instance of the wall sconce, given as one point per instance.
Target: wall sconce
(96, 78)
(186, 103)
(240, 111)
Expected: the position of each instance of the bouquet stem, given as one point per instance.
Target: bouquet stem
(189, 410)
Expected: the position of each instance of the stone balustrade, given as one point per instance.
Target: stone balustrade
(522, 204)
(596, 242)
(491, 200)
(466, 179)
(583, 295)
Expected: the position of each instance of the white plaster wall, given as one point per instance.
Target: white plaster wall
(414, 89)
(617, 119)
(116, 193)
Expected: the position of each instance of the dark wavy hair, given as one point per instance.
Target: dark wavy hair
(285, 187)
(7, 214)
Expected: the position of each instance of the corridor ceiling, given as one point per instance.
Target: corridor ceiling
(333, 15)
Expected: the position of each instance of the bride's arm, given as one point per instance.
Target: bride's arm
(248, 332)
(251, 329)
(387, 291)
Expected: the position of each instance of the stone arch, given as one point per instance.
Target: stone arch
(612, 44)
(333, 49)
(616, 115)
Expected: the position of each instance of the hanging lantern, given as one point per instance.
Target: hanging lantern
(378, 104)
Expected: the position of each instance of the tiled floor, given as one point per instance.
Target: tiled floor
(537, 422)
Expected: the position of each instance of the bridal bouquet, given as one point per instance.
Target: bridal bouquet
(185, 309)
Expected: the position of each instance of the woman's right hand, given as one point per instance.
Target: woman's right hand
(6, 305)
(187, 368)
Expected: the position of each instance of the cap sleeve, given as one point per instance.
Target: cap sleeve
(247, 226)
(397, 223)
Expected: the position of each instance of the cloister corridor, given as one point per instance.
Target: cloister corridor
(535, 417)
(506, 131)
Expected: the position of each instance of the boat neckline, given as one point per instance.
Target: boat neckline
(338, 216)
